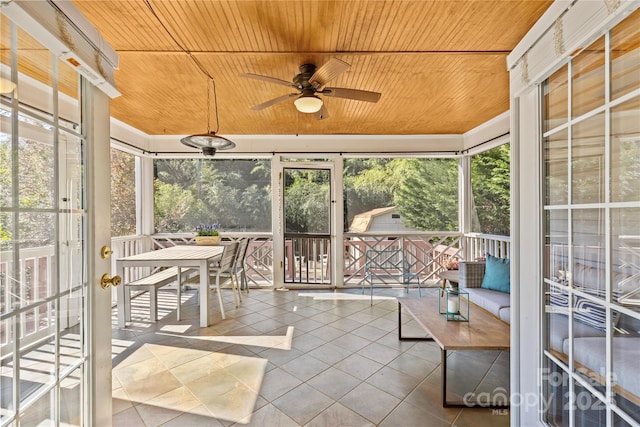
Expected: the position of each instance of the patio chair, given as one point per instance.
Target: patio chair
(237, 271)
(224, 267)
(389, 266)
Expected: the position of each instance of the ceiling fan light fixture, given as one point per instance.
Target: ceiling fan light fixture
(308, 103)
(6, 86)
(209, 143)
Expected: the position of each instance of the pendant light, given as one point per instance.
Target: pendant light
(209, 142)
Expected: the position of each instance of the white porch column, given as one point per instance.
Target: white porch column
(464, 200)
(337, 209)
(144, 186)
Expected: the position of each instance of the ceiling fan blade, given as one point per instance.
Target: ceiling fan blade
(273, 101)
(321, 114)
(328, 72)
(268, 79)
(357, 94)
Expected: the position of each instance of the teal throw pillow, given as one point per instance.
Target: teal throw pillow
(496, 275)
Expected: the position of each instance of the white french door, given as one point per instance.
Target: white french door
(52, 310)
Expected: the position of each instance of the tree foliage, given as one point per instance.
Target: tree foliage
(237, 193)
(35, 192)
(123, 194)
(427, 196)
(234, 193)
(307, 203)
(490, 183)
(368, 184)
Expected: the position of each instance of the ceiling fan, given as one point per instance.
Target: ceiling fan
(309, 83)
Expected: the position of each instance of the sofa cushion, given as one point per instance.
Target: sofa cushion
(559, 331)
(496, 275)
(491, 301)
(590, 353)
(505, 314)
(471, 274)
(587, 311)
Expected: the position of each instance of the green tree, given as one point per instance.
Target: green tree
(307, 201)
(234, 193)
(490, 183)
(123, 193)
(427, 195)
(368, 184)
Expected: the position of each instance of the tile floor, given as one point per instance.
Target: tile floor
(292, 358)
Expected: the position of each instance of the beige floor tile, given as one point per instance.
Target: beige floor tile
(356, 370)
(327, 333)
(249, 370)
(330, 353)
(151, 386)
(359, 366)
(345, 324)
(334, 383)
(280, 357)
(119, 401)
(351, 342)
(407, 415)
(428, 397)
(413, 365)
(172, 356)
(385, 324)
(380, 353)
(143, 368)
(153, 415)
(307, 342)
(394, 382)
(197, 417)
(128, 418)
(180, 399)
(276, 383)
(369, 332)
(270, 416)
(370, 402)
(303, 403)
(339, 415)
(305, 367)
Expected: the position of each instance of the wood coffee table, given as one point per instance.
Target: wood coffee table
(483, 332)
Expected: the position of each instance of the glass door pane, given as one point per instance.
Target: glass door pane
(43, 352)
(307, 225)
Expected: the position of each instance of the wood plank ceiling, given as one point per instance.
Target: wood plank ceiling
(440, 65)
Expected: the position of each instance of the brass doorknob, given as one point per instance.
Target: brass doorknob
(107, 281)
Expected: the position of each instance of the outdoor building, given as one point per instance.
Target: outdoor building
(380, 219)
(505, 136)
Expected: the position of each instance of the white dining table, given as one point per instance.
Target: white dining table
(183, 257)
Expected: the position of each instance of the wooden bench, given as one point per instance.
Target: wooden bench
(151, 284)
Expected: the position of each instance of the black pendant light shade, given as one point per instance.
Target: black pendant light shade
(209, 143)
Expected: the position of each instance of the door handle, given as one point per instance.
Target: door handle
(107, 281)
